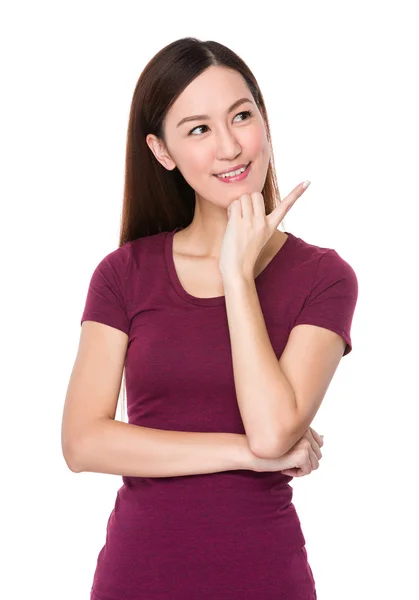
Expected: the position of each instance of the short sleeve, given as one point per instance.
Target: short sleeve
(105, 301)
(333, 297)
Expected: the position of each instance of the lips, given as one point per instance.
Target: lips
(233, 179)
(231, 169)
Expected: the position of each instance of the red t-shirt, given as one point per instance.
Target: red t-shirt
(235, 534)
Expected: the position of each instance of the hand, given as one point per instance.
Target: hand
(306, 453)
(300, 460)
(249, 229)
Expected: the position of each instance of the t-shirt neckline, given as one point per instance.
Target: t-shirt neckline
(214, 300)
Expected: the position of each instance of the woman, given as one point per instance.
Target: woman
(229, 331)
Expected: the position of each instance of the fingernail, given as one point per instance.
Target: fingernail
(306, 184)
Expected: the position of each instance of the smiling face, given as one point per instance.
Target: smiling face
(216, 139)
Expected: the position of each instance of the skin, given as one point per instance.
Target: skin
(214, 145)
(230, 235)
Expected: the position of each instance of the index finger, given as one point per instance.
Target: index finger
(279, 212)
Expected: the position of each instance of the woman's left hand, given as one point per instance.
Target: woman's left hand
(248, 230)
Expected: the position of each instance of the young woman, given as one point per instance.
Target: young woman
(229, 332)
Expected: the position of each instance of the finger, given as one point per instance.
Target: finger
(234, 209)
(258, 204)
(315, 444)
(246, 206)
(307, 467)
(299, 189)
(313, 459)
(276, 216)
(317, 437)
(292, 472)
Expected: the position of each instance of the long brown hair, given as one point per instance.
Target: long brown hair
(156, 199)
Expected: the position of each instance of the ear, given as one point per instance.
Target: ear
(159, 150)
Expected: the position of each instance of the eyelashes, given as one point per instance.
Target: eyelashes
(248, 114)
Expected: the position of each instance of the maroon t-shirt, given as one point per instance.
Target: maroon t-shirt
(233, 535)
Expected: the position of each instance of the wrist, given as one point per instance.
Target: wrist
(237, 281)
(244, 457)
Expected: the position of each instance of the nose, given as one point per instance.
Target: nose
(227, 144)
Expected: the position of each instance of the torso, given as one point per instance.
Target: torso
(201, 277)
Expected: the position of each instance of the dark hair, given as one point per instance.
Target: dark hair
(155, 198)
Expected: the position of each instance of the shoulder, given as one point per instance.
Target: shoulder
(324, 263)
(126, 262)
(330, 290)
(123, 257)
(120, 257)
(114, 264)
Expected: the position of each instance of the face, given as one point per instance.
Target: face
(218, 141)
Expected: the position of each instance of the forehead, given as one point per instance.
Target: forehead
(212, 92)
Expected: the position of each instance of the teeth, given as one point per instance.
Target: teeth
(233, 173)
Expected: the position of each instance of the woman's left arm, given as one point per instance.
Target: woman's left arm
(277, 400)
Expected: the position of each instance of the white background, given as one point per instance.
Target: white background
(340, 84)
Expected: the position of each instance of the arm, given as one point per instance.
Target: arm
(119, 448)
(264, 394)
(277, 399)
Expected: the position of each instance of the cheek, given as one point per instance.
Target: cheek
(255, 143)
(196, 163)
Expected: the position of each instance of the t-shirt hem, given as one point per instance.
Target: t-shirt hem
(327, 325)
(116, 323)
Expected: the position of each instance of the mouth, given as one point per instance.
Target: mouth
(235, 175)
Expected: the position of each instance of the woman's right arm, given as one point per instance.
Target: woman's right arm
(92, 440)
(110, 446)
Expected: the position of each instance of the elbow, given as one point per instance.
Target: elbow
(268, 451)
(72, 455)
(279, 445)
(76, 447)
(262, 449)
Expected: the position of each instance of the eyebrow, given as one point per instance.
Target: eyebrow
(201, 117)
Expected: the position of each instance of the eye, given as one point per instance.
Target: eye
(248, 114)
